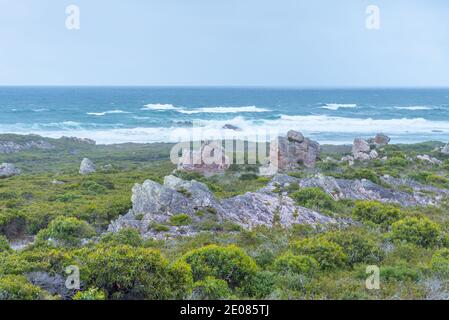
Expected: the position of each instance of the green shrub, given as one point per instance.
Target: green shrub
(211, 289)
(359, 246)
(226, 263)
(90, 294)
(290, 263)
(248, 176)
(329, 255)
(419, 231)
(440, 262)
(93, 188)
(67, 231)
(399, 272)
(127, 236)
(397, 162)
(261, 285)
(4, 244)
(180, 220)
(376, 212)
(14, 287)
(430, 178)
(314, 198)
(365, 174)
(159, 227)
(136, 273)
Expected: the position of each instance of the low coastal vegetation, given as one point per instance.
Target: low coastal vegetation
(67, 215)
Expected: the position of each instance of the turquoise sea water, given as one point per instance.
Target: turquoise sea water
(153, 114)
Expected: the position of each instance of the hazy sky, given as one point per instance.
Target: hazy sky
(225, 42)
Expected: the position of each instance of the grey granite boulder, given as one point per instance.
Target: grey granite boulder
(380, 140)
(287, 153)
(53, 284)
(445, 149)
(208, 159)
(8, 170)
(87, 167)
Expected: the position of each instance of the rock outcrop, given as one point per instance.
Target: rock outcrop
(154, 205)
(231, 127)
(287, 153)
(208, 160)
(379, 140)
(53, 284)
(361, 150)
(8, 147)
(8, 170)
(79, 140)
(367, 190)
(428, 159)
(87, 167)
(445, 149)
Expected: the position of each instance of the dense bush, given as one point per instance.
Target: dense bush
(397, 162)
(14, 287)
(314, 198)
(440, 262)
(399, 272)
(66, 231)
(128, 272)
(90, 294)
(226, 263)
(359, 246)
(4, 244)
(364, 174)
(211, 289)
(329, 255)
(419, 231)
(290, 263)
(180, 220)
(127, 236)
(376, 212)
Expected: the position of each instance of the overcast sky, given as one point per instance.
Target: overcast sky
(315, 43)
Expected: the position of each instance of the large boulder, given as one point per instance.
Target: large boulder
(380, 140)
(445, 149)
(428, 159)
(287, 153)
(361, 150)
(8, 170)
(87, 167)
(209, 159)
(53, 284)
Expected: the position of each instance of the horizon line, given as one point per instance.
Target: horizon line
(224, 86)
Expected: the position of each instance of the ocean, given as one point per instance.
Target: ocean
(161, 114)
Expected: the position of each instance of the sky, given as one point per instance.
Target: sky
(292, 43)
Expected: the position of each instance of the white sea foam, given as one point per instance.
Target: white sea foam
(160, 107)
(40, 110)
(335, 129)
(413, 108)
(336, 106)
(224, 110)
(106, 112)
